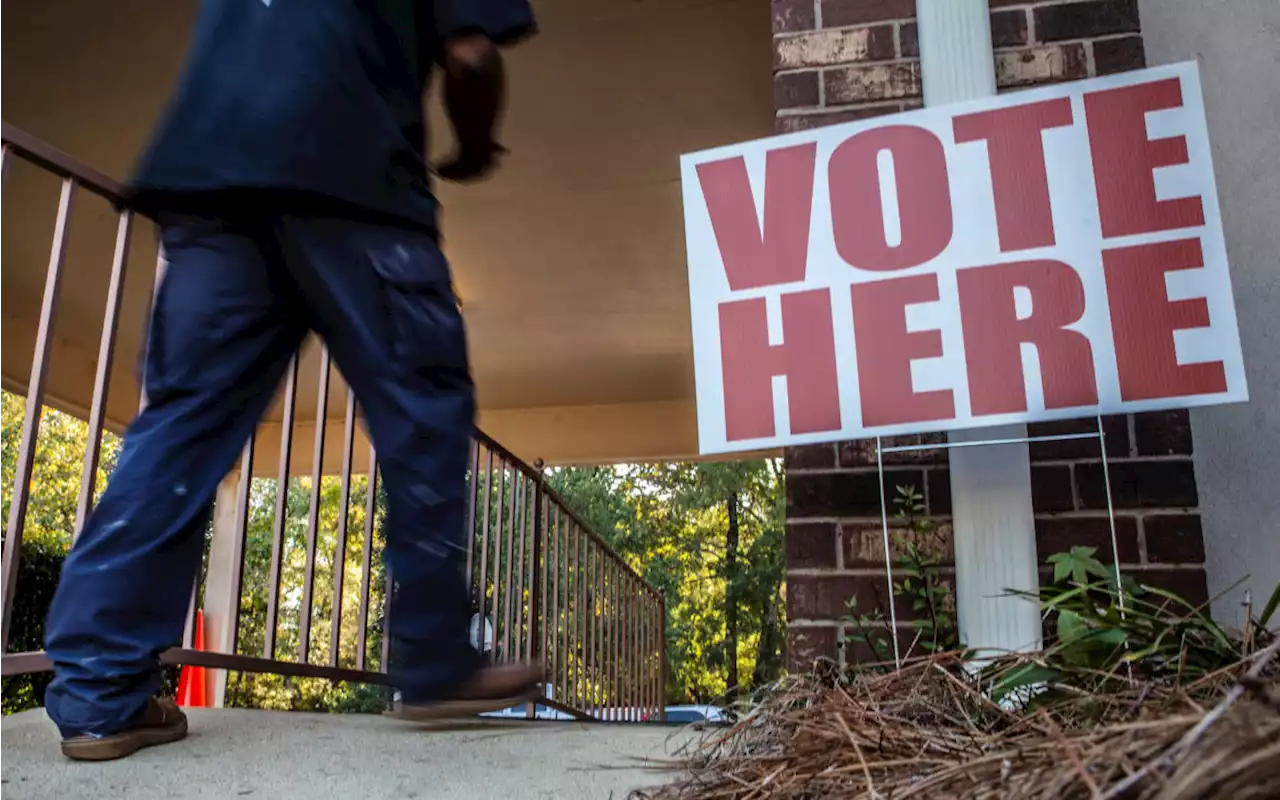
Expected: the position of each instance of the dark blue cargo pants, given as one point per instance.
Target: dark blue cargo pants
(238, 298)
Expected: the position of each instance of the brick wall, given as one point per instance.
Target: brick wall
(839, 60)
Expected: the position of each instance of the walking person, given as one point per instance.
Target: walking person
(289, 182)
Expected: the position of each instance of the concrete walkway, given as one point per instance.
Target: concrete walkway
(283, 756)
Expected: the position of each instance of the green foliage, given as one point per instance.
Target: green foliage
(1264, 620)
(37, 579)
(55, 479)
(1077, 564)
(50, 520)
(916, 563)
(248, 690)
(869, 629)
(670, 522)
(1107, 634)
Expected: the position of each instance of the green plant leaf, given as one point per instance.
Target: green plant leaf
(1071, 626)
(1077, 563)
(1270, 608)
(1020, 676)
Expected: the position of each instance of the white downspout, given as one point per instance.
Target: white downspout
(990, 486)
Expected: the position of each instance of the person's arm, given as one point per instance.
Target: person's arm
(474, 79)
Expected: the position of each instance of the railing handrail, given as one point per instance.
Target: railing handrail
(490, 443)
(60, 163)
(559, 591)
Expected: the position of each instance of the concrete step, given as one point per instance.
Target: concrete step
(272, 755)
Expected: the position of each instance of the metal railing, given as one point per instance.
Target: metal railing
(545, 585)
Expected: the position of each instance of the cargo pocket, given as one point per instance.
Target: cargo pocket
(427, 334)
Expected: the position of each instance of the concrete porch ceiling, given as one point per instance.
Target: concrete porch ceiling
(570, 262)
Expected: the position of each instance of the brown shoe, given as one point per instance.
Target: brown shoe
(490, 689)
(162, 722)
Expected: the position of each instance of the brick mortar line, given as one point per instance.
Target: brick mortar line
(820, 68)
(1142, 540)
(1027, 6)
(808, 111)
(996, 51)
(875, 573)
(1072, 514)
(1048, 462)
(1031, 43)
(865, 26)
(1160, 459)
(868, 24)
(897, 24)
(1090, 63)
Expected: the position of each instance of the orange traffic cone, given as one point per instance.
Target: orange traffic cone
(191, 692)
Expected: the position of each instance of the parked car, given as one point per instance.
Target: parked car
(521, 711)
(691, 714)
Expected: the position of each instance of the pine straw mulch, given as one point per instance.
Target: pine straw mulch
(926, 731)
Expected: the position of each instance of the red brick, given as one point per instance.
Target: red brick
(1035, 65)
(939, 491)
(844, 494)
(1189, 584)
(822, 597)
(1138, 484)
(795, 89)
(855, 652)
(1086, 20)
(862, 452)
(1118, 55)
(794, 15)
(826, 597)
(909, 40)
(806, 645)
(872, 83)
(863, 543)
(1009, 28)
(839, 13)
(1116, 429)
(1163, 433)
(811, 545)
(1051, 489)
(830, 47)
(1060, 534)
(811, 456)
(804, 122)
(1174, 538)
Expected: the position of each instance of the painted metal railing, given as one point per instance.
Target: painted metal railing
(545, 586)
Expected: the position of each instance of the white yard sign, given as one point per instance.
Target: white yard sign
(1041, 255)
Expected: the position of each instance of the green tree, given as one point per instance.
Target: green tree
(710, 536)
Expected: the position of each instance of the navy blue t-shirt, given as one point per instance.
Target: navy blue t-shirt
(311, 103)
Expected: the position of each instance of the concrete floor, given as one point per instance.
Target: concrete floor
(282, 756)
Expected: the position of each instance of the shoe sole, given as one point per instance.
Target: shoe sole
(459, 709)
(120, 745)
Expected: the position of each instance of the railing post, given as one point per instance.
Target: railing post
(222, 584)
(662, 656)
(534, 648)
(35, 405)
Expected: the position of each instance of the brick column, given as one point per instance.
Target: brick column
(840, 60)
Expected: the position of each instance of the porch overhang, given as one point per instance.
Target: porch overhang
(570, 262)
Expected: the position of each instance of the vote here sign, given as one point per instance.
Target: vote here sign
(1041, 255)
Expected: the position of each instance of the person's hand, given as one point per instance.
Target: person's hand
(470, 165)
(473, 90)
